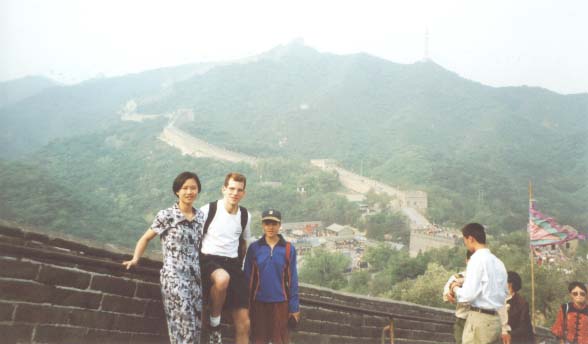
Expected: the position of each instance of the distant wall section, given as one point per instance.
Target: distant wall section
(421, 242)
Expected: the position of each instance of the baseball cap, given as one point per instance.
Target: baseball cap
(271, 214)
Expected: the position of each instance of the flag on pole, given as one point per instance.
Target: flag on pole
(544, 230)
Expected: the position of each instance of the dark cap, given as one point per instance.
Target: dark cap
(271, 214)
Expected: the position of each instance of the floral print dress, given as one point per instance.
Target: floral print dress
(181, 286)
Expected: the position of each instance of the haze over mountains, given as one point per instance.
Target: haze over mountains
(474, 148)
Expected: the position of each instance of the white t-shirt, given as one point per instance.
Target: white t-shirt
(222, 237)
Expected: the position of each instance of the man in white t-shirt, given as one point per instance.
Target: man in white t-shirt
(227, 230)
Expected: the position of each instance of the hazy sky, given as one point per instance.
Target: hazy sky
(495, 42)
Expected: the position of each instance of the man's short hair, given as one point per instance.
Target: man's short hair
(515, 279)
(238, 177)
(475, 230)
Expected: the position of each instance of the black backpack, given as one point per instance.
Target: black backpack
(244, 218)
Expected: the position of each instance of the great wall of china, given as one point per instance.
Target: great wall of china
(410, 203)
(60, 291)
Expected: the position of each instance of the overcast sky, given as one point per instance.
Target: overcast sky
(496, 42)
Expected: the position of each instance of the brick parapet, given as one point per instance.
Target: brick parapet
(58, 291)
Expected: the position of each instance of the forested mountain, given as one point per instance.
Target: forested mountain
(474, 148)
(107, 186)
(65, 111)
(16, 90)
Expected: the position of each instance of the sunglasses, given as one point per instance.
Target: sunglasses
(576, 293)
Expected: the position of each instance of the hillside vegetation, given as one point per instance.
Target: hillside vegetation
(473, 148)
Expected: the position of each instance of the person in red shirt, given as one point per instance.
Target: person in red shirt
(571, 324)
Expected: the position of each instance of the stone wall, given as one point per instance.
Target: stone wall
(422, 242)
(59, 291)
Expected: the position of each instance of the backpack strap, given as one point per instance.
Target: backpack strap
(244, 218)
(242, 243)
(288, 249)
(287, 275)
(210, 217)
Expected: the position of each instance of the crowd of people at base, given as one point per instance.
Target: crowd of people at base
(206, 260)
(489, 308)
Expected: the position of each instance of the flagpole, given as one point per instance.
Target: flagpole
(531, 257)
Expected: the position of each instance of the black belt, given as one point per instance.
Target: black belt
(482, 310)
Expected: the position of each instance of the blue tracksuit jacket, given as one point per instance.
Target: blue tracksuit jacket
(270, 279)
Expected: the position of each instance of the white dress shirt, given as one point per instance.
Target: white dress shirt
(486, 282)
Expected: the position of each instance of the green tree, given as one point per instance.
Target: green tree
(378, 256)
(387, 222)
(359, 282)
(398, 267)
(325, 269)
(426, 289)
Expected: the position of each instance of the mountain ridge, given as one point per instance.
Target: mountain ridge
(472, 147)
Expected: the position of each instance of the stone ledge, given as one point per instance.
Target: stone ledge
(43, 290)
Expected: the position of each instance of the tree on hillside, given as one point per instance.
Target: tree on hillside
(387, 222)
(325, 269)
(380, 200)
(397, 268)
(378, 256)
(426, 289)
(359, 282)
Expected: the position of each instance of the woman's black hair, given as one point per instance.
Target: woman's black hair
(181, 179)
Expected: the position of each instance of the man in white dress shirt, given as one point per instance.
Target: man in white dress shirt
(485, 289)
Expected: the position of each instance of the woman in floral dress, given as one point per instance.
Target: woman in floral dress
(180, 230)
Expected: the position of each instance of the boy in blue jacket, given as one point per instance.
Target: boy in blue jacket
(270, 268)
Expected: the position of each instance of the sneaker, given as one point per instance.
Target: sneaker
(214, 335)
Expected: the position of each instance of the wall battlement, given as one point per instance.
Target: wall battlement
(59, 291)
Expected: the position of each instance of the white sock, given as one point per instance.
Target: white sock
(214, 321)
